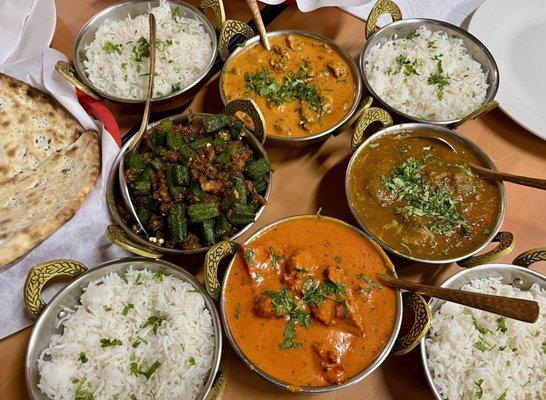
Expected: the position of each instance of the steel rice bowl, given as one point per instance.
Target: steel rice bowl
(113, 194)
(409, 127)
(44, 328)
(120, 11)
(401, 28)
(301, 141)
(510, 274)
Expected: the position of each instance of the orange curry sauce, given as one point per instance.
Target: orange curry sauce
(303, 303)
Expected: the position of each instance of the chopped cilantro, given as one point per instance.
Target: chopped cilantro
(439, 80)
(191, 361)
(479, 328)
(369, 281)
(110, 342)
(175, 87)
(479, 391)
(289, 341)
(140, 50)
(502, 396)
(127, 308)
(249, 256)
(139, 340)
(159, 275)
(154, 321)
(501, 324)
(110, 47)
(82, 358)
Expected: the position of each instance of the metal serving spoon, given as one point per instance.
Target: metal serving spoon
(253, 5)
(520, 309)
(143, 127)
(494, 175)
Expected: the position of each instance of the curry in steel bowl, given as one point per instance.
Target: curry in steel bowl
(196, 182)
(305, 86)
(302, 304)
(420, 198)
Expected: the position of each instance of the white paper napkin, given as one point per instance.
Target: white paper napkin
(13, 14)
(310, 5)
(82, 238)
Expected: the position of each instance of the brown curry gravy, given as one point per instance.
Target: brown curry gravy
(259, 338)
(478, 200)
(332, 74)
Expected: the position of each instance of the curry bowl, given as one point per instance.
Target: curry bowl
(419, 200)
(517, 276)
(307, 86)
(50, 319)
(206, 167)
(401, 29)
(77, 73)
(294, 298)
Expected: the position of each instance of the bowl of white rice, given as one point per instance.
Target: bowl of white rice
(474, 354)
(111, 53)
(429, 71)
(132, 328)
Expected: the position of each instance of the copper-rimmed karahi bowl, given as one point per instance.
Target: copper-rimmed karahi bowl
(402, 27)
(48, 316)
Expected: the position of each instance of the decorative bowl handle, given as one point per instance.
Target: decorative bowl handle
(484, 108)
(380, 8)
(421, 323)
(212, 259)
(220, 382)
(217, 6)
(118, 237)
(530, 256)
(250, 108)
(228, 31)
(505, 245)
(369, 116)
(68, 72)
(40, 274)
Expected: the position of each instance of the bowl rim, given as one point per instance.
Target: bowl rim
(379, 359)
(451, 282)
(416, 126)
(209, 28)
(112, 182)
(123, 264)
(493, 75)
(316, 137)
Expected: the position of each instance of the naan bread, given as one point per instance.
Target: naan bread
(48, 164)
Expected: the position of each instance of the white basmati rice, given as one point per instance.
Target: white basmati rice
(184, 49)
(474, 354)
(183, 343)
(400, 72)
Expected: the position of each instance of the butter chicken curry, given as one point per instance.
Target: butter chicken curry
(421, 198)
(303, 86)
(303, 303)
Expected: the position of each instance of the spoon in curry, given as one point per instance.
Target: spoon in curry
(520, 309)
(143, 127)
(492, 174)
(253, 5)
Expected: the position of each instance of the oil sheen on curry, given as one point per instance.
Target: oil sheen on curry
(303, 86)
(421, 198)
(303, 303)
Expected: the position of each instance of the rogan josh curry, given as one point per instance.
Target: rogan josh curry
(302, 301)
(421, 198)
(303, 86)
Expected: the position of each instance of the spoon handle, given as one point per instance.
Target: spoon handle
(253, 5)
(149, 89)
(503, 176)
(520, 309)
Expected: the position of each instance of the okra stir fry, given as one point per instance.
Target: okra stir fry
(196, 183)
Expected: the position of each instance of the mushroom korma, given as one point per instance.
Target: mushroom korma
(303, 303)
(421, 198)
(303, 86)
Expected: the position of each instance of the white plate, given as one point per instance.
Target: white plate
(515, 32)
(38, 31)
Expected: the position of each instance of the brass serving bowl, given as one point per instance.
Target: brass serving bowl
(400, 28)
(396, 344)
(75, 73)
(359, 143)
(121, 233)
(517, 275)
(48, 316)
(343, 124)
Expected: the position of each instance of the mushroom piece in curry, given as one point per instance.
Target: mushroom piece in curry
(303, 304)
(303, 85)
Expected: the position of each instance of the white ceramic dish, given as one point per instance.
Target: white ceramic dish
(514, 32)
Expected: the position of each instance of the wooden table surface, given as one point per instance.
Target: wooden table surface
(306, 179)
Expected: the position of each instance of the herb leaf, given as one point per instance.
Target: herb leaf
(141, 49)
(110, 47)
(479, 391)
(501, 324)
(110, 342)
(289, 338)
(82, 358)
(439, 80)
(369, 281)
(154, 321)
(127, 308)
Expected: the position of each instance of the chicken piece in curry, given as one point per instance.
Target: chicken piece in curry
(304, 305)
(421, 198)
(303, 85)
